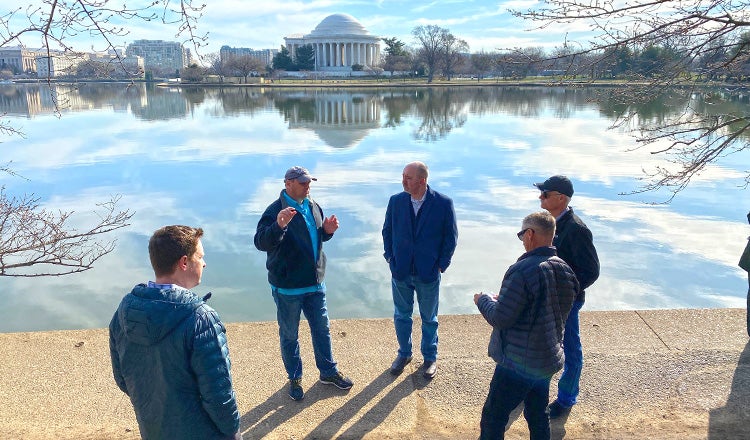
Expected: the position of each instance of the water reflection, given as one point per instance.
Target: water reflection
(214, 157)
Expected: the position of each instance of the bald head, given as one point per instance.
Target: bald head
(414, 179)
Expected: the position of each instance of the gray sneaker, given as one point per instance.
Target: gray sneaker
(295, 389)
(339, 380)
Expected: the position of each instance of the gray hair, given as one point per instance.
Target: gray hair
(542, 222)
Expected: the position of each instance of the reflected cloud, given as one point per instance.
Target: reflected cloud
(222, 163)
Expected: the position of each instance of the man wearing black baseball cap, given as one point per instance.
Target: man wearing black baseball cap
(560, 184)
(575, 245)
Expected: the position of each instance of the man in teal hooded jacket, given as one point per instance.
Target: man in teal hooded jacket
(169, 348)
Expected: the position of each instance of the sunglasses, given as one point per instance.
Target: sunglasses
(546, 194)
(521, 232)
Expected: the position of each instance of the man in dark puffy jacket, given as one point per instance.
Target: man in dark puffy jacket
(528, 317)
(169, 348)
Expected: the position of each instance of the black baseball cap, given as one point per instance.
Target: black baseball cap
(558, 183)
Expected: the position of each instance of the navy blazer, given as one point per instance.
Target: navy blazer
(426, 247)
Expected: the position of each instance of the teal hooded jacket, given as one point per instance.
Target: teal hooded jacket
(170, 356)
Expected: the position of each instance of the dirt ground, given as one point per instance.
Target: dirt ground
(659, 374)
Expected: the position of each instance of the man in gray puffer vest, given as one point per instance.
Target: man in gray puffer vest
(528, 318)
(169, 348)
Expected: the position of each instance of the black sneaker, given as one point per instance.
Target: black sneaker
(399, 364)
(295, 389)
(557, 410)
(339, 380)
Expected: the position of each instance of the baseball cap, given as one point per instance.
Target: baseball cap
(299, 173)
(557, 183)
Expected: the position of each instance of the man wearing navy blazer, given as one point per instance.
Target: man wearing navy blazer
(419, 237)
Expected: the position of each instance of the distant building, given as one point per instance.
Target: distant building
(264, 55)
(161, 57)
(58, 64)
(18, 59)
(339, 42)
(109, 65)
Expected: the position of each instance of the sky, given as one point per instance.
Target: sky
(485, 25)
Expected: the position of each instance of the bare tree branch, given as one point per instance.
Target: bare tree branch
(694, 40)
(35, 242)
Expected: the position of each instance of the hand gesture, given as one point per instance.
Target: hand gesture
(330, 224)
(285, 216)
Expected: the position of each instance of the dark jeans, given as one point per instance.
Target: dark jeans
(313, 305)
(507, 390)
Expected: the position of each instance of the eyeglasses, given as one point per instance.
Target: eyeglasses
(521, 232)
(546, 194)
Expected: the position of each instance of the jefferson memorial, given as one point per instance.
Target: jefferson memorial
(340, 41)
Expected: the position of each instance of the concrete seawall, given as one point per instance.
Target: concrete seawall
(659, 374)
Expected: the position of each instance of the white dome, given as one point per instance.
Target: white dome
(339, 24)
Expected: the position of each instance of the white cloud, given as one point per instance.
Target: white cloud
(261, 25)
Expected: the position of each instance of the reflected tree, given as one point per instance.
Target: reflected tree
(296, 109)
(676, 39)
(396, 104)
(236, 101)
(441, 112)
(194, 95)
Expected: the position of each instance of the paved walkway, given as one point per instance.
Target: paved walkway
(668, 374)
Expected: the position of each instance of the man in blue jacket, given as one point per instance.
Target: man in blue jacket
(169, 348)
(291, 231)
(419, 237)
(575, 245)
(527, 318)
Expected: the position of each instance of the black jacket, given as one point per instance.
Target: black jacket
(575, 245)
(528, 318)
(289, 252)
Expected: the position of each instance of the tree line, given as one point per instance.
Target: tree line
(437, 52)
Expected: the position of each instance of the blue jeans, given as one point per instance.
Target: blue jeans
(507, 390)
(403, 300)
(567, 387)
(313, 305)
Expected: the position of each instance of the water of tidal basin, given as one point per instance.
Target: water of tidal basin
(215, 158)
